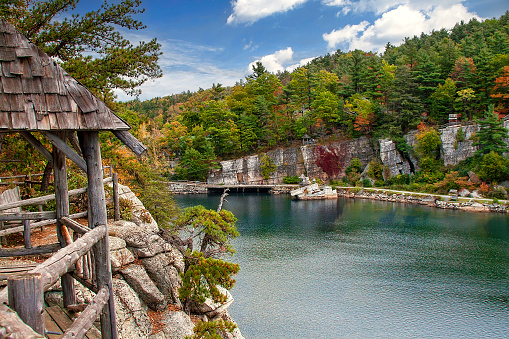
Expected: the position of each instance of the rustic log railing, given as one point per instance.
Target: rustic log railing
(24, 292)
(48, 217)
(81, 257)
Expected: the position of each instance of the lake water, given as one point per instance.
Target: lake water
(366, 269)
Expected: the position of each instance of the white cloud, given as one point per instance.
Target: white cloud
(250, 46)
(347, 34)
(394, 25)
(378, 7)
(186, 66)
(279, 61)
(173, 82)
(250, 11)
(276, 61)
(303, 62)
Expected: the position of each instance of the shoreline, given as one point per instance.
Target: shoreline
(432, 200)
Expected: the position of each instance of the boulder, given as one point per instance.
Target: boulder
(120, 258)
(178, 325)
(161, 269)
(116, 243)
(153, 245)
(139, 213)
(143, 244)
(464, 192)
(132, 318)
(236, 334)
(474, 178)
(475, 194)
(212, 309)
(137, 278)
(475, 207)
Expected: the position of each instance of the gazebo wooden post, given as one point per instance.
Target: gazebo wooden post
(97, 216)
(62, 210)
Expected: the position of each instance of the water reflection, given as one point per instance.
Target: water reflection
(367, 269)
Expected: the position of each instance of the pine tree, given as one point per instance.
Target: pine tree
(65, 36)
(491, 135)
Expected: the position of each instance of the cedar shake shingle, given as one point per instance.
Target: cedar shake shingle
(36, 93)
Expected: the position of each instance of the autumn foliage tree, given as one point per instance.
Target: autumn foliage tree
(329, 160)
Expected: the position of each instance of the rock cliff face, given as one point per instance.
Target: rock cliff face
(303, 160)
(148, 284)
(453, 150)
(292, 161)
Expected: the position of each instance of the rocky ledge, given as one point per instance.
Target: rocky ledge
(146, 281)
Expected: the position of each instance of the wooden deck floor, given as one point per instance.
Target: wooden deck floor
(58, 320)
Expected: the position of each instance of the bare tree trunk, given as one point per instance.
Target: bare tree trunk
(223, 196)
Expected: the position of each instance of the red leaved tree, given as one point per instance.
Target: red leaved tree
(329, 160)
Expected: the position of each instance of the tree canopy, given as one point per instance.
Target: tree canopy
(89, 46)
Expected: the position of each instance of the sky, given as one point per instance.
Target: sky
(206, 42)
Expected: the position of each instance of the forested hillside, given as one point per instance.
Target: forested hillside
(337, 96)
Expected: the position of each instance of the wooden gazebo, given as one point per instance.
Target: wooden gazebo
(38, 96)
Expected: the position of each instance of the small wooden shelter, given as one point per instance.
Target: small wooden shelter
(38, 96)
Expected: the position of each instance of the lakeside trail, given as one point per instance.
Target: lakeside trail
(468, 204)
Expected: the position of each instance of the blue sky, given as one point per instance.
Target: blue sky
(217, 41)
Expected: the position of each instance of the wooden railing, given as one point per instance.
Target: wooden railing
(46, 218)
(25, 291)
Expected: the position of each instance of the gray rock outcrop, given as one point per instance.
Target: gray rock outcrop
(137, 278)
(453, 149)
(131, 313)
(296, 161)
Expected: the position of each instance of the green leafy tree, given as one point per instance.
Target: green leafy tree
(442, 101)
(493, 167)
(66, 36)
(428, 142)
(465, 97)
(491, 135)
(267, 166)
(192, 166)
(202, 236)
(212, 329)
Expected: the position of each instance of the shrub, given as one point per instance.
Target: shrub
(493, 167)
(428, 141)
(366, 182)
(267, 166)
(328, 161)
(291, 180)
(453, 181)
(376, 169)
(355, 165)
(379, 183)
(212, 329)
(460, 135)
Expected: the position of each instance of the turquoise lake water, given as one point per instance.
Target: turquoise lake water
(366, 269)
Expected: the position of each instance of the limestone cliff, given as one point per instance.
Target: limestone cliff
(295, 161)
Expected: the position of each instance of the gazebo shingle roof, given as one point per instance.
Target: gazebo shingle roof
(36, 94)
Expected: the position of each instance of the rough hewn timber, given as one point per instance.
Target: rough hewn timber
(86, 319)
(53, 268)
(98, 216)
(27, 299)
